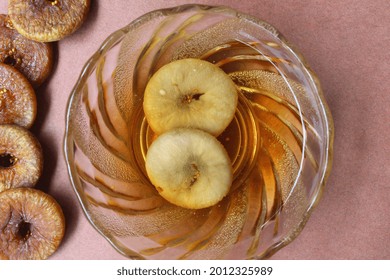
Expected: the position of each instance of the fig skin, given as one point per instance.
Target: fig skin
(21, 158)
(18, 104)
(33, 59)
(47, 20)
(32, 224)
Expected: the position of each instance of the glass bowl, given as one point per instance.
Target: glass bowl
(280, 140)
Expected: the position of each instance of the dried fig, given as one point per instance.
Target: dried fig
(18, 103)
(33, 59)
(21, 158)
(47, 20)
(32, 224)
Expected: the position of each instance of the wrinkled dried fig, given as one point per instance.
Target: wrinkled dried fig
(32, 224)
(18, 103)
(47, 20)
(21, 158)
(33, 59)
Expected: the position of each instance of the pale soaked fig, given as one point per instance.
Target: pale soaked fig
(47, 20)
(18, 103)
(190, 93)
(189, 168)
(32, 224)
(33, 59)
(21, 158)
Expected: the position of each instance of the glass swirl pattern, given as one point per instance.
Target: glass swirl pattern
(280, 141)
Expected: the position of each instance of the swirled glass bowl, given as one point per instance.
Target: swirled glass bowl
(280, 141)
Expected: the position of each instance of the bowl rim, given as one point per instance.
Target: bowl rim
(116, 36)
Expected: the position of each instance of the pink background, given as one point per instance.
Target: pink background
(347, 43)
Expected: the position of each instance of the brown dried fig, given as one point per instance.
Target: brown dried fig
(47, 20)
(33, 59)
(18, 104)
(32, 224)
(21, 158)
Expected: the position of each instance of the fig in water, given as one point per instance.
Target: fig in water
(18, 103)
(189, 168)
(47, 20)
(21, 158)
(33, 59)
(190, 93)
(32, 224)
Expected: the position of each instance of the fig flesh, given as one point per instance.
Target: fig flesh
(18, 103)
(21, 158)
(47, 20)
(33, 59)
(32, 224)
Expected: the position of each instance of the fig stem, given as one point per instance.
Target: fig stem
(7, 160)
(3, 91)
(53, 2)
(10, 60)
(187, 99)
(196, 175)
(8, 23)
(24, 230)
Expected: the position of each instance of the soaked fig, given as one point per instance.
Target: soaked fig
(32, 224)
(47, 20)
(21, 158)
(18, 103)
(33, 59)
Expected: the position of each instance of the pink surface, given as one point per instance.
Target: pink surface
(347, 45)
